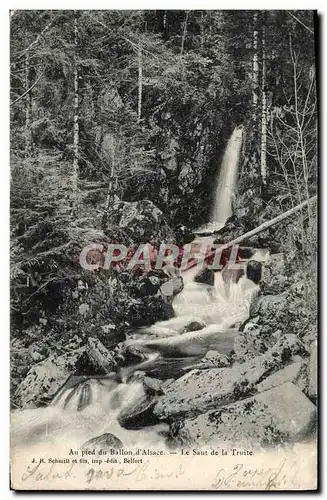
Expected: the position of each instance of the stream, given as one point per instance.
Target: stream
(91, 408)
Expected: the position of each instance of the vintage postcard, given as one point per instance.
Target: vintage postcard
(164, 169)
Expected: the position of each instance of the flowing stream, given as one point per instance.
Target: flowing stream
(91, 409)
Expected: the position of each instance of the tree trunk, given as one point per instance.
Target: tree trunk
(202, 31)
(76, 111)
(140, 83)
(184, 32)
(28, 109)
(263, 148)
(255, 65)
(110, 192)
(260, 228)
(165, 19)
(270, 223)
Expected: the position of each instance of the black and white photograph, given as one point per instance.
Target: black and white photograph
(164, 176)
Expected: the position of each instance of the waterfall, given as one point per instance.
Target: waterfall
(227, 179)
(91, 407)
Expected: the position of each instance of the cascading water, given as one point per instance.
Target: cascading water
(227, 180)
(92, 408)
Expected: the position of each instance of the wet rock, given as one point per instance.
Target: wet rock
(201, 389)
(44, 379)
(172, 287)
(206, 276)
(166, 368)
(129, 354)
(313, 372)
(104, 442)
(149, 310)
(195, 343)
(279, 415)
(99, 356)
(152, 386)
(174, 326)
(291, 373)
(253, 271)
(140, 414)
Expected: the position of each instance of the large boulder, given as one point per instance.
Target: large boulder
(139, 414)
(106, 442)
(172, 287)
(45, 378)
(202, 389)
(254, 271)
(272, 316)
(279, 415)
(291, 373)
(99, 356)
(206, 276)
(274, 281)
(142, 221)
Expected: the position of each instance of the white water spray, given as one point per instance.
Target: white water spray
(227, 179)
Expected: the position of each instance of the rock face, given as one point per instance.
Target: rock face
(279, 415)
(44, 379)
(105, 442)
(206, 276)
(202, 389)
(291, 373)
(141, 220)
(140, 414)
(270, 317)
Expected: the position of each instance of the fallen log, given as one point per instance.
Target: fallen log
(259, 229)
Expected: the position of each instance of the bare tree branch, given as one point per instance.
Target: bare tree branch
(299, 21)
(28, 90)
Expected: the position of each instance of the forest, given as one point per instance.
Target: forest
(119, 120)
